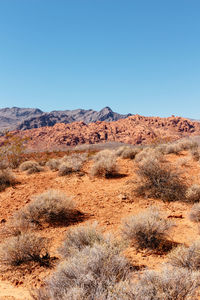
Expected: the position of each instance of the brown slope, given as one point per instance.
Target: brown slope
(134, 130)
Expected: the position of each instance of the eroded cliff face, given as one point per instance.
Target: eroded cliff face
(134, 130)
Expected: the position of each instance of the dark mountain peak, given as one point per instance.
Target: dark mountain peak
(27, 118)
(106, 109)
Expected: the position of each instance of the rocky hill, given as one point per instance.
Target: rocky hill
(16, 118)
(134, 130)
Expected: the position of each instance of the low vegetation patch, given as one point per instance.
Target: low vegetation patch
(24, 248)
(78, 238)
(159, 180)
(147, 229)
(195, 213)
(193, 193)
(186, 257)
(128, 152)
(104, 164)
(148, 153)
(177, 147)
(195, 154)
(169, 284)
(53, 164)
(50, 207)
(31, 167)
(88, 274)
(71, 164)
(7, 179)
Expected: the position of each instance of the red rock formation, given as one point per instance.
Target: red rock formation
(134, 130)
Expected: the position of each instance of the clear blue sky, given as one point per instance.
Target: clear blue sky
(135, 56)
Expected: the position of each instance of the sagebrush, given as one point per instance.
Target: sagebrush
(50, 207)
(147, 229)
(159, 180)
(24, 248)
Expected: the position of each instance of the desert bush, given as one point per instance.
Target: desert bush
(31, 167)
(186, 257)
(89, 273)
(53, 164)
(147, 229)
(159, 181)
(12, 150)
(193, 193)
(181, 145)
(195, 213)
(195, 154)
(148, 153)
(78, 238)
(127, 152)
(169, 284)
(7, 179)
(49, 207)
(24, 248)
(71, 164)
(104, 164)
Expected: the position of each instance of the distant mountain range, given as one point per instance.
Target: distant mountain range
(16, 118)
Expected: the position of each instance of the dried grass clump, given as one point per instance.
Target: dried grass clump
(127, 152)
(71, 164)
(170, 284)
(24, 248)
(186, 257)
(147, 229)
(148, 153)
(177, 147)
(50, 207)
(89, 273)
(159, 181)
(104, 164)
(31, 167)
(193, 193)
(195, 154)
(195, 213)
(78, 238)
(53, 164)
(7, 179)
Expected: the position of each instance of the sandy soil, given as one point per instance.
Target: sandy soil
(107, 201)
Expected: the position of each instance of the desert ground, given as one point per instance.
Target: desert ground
(106, 201)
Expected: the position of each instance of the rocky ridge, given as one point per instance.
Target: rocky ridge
(16, 118)
(135, 129)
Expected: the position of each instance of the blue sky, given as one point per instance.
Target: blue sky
(135, 56)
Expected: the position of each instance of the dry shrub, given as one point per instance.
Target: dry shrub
(195, 154)
(127, 152)
(12, 149)
(53, 164)
(71, 164)
(104, 164)
(31, 167)
(49, 207)
(24, 248)
(193, 193)
(170, 284)
(186, 257)
(78, 238)
(179, 146)
(148, 153)
(7, 179)
(158, 180)
(195, 213)
(88, 274)
(147, 229)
